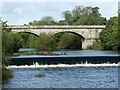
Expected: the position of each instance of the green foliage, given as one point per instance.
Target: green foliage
(47, 20)
(10, 42)
(90, 20)
(78, 16)
(109, 36)
(57, 36)
(6, 73)
(69, 41)
(45, 42)
(119, 29)
(61, 22)
(32, 41)
(84, 16)
(24, 39)
(68, 17)
(96, 46)
(27, 40)
(39, 75)
(48, 42)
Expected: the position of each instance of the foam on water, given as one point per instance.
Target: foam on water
(36, 65)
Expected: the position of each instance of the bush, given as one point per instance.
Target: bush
(39, 75)
(110, 35)
(6, 73)
(96, 45)
(16, 54)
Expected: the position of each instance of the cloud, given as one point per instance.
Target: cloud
(23, 12)
(60, 0)
(17, 11)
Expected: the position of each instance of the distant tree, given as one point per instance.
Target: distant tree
(46, 20)
(78, 16)
(68, 17)
(61, 22)
(84, 16)
(95, 12)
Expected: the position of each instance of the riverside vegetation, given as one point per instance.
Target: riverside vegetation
(108, 39)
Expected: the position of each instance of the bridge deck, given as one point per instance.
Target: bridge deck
(57, 27)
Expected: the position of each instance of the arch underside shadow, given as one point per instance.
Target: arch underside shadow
(81, 38)
(72, 33)
(56, 33)
(30, 33)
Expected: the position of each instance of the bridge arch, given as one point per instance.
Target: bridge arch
(82, 37)
(30, 33)
(79, 32)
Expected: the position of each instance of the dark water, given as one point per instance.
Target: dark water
(72, 77)
(67, 77)
(69, 57)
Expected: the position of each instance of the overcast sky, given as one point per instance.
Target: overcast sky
(24, 12)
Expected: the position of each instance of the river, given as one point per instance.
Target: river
(67, 76)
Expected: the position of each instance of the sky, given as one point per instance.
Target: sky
(23, 12)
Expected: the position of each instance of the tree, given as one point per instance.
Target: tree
(95, 12)
(76, 12)
(45, 42)
(46, 20)
(32, 41)
(69, 41)
(119, 27)
(109, 36)
(68, 17)
(6, 73)
(84, 16)
(61, 22)
(10, 43)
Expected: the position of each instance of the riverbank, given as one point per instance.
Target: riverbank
(6, 73)
(39, 53)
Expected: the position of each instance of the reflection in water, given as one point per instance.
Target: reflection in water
(89, 53)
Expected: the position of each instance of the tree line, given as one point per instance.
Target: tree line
(78, 16)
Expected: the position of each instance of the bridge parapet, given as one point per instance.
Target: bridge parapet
(57, 27)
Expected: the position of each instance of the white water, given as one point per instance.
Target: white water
(36, 65)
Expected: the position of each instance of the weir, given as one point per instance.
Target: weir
(30, 60)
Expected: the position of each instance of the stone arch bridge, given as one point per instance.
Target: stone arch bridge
(89, 34)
